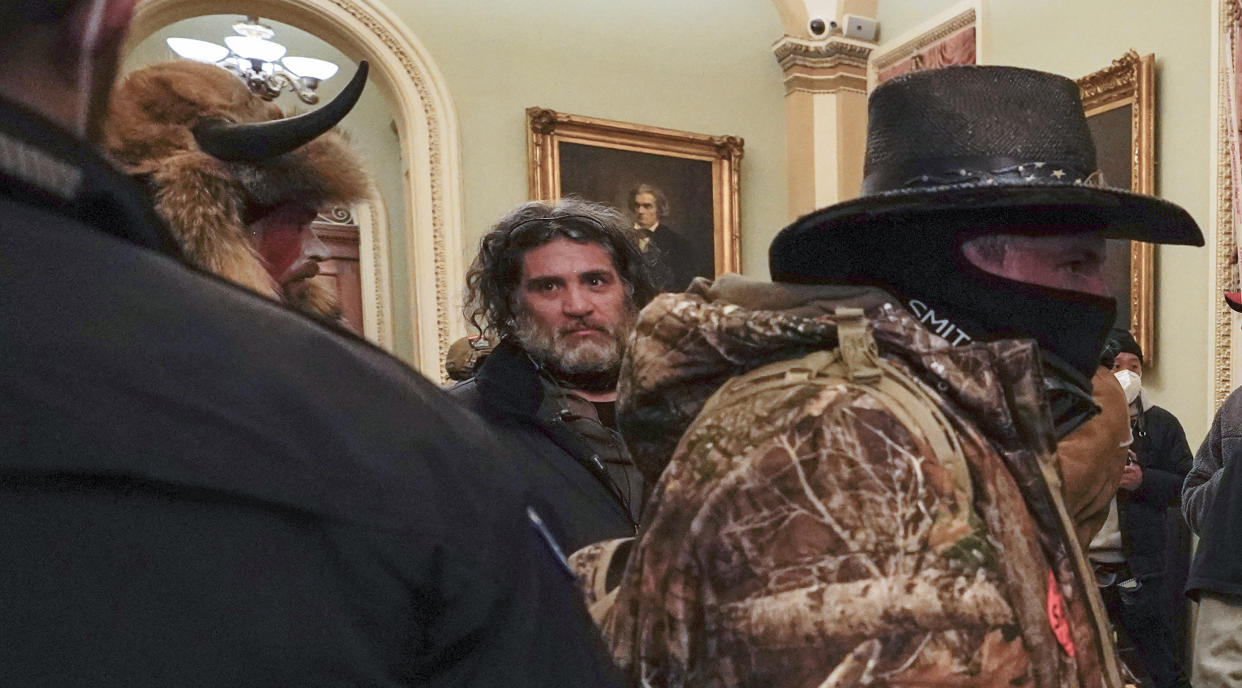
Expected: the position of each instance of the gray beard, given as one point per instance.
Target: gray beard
(591, 365)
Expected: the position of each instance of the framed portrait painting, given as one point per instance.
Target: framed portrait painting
(678, 188)
(1120, 105)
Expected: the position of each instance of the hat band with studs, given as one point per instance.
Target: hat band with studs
(980, 172)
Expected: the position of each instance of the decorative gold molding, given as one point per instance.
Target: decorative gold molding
(1130, 80)
(547, 129)
(427, 129)
(788, 49)
(827, 66)
(1116, 83)
(1226, 258)
(1226, 265)
(373, 252)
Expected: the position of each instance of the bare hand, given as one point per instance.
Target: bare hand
(1131, 477)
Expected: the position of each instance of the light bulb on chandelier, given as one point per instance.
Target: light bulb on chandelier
(259, 61)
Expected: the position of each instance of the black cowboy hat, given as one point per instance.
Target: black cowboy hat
(995, 142)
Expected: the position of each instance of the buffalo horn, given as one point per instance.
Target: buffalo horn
(263, 140)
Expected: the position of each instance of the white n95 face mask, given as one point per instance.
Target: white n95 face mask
(1131, 384)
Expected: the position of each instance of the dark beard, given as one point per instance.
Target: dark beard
(591, 383)
(318, 301)
(590, 367)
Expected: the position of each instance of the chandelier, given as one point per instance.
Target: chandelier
(259, 61)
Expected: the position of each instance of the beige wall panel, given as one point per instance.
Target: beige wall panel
(851, 143)
(799, 108)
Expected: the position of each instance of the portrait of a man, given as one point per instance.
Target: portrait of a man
(669, 200)
(670, 252)
(679, 189)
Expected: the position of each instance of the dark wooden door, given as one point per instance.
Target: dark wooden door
(342, 271)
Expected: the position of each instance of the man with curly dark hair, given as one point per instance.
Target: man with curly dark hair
(557, 288)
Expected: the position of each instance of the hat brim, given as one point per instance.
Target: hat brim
(1119, 215)
(1234, 299)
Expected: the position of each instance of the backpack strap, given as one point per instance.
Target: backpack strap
(858, 350)
(856, 361)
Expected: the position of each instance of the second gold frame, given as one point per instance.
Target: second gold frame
(1120, 104)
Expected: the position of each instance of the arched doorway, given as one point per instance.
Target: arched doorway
(426, 124)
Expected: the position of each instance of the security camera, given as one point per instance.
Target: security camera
(820, 27)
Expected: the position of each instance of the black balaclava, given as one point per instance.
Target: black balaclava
(965, 303)
(962, 303)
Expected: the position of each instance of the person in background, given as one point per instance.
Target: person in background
(1132, 554)
(1212, 505)
(201, 487)
(1093, 456)
(557, 288)
(669, 252)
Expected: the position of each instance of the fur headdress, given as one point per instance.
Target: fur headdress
(209, 201)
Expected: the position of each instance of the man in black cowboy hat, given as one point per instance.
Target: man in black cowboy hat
(871, 495)
(1213, 510)
(201, 487)
(986, 219)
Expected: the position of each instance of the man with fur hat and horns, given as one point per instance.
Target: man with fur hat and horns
(201, 487)
(237, 182)
(865, 490)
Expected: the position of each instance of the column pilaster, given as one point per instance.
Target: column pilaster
(826, 118)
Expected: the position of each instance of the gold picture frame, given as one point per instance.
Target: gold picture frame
(600, 160)
(1120, 104)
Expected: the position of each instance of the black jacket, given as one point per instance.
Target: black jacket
(674, 260)
(199, 487)
(595, 491)
(1162, 451)
(1212, 504)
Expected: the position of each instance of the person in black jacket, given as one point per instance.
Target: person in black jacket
(1212, 506)
(201, 487)
(557, 287)
(1133, 554)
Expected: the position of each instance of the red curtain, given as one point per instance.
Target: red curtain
(955, 49)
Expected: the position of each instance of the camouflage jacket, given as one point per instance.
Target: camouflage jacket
(803, 536)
